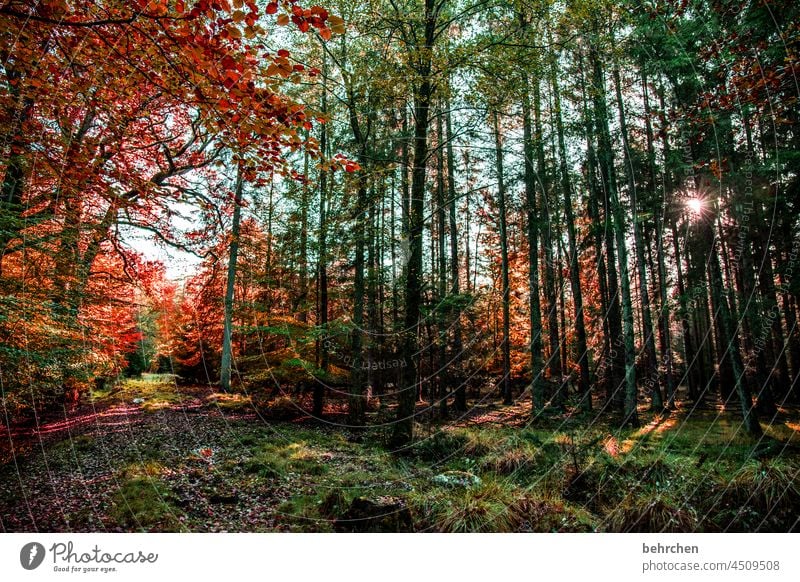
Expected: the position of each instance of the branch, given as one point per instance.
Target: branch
(86, 23)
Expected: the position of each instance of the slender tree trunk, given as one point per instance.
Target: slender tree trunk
(322, 261)
(727, 340)
(501, 202)
(584, 385)
(630, 415)
(546, 231)
(404, 426)
(597, 229)
(537, 366)
(665, 333)
(356, 401)
(303, 266)
(460, 401)
(233, 254)
(618, 346)
(657, 400)
(441, 214)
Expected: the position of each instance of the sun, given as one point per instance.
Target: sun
(695, 205)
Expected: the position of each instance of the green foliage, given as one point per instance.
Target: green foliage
(40, 349)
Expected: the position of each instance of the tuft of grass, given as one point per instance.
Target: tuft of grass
(761, 496)
(441, 446)
(484, 508)
(333, 504)
(541, 515)
(513, 462)
(308, 513)
(644, 514)
(450, 444)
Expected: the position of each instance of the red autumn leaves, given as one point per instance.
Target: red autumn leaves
(307, 18)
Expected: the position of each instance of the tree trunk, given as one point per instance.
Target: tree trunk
(630, 415)
(501, 202)
(460, 401)
(404, 426)
(233, 254)
(322, 267)
(618, 349)
(535, 315)
(664, 331)
(554, 356)
(651, 375)
(441, 371)
(584, 385)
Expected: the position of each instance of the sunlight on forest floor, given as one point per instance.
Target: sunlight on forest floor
(191, 459)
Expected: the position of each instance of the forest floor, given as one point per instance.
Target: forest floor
(151, 456)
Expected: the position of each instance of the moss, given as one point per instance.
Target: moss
(229, 402)
(77, 444)
(144, 503)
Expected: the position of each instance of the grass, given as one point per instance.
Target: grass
(274, 461)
